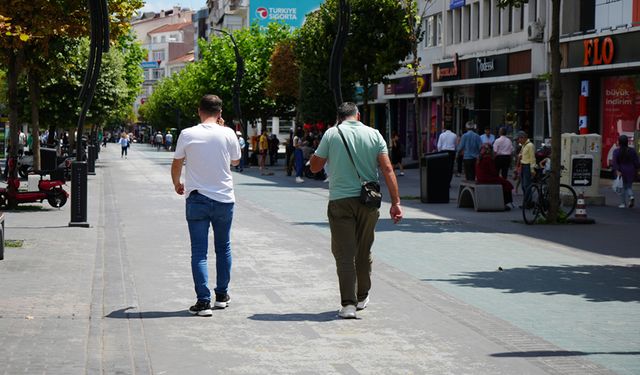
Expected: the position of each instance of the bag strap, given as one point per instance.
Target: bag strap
(348, 152)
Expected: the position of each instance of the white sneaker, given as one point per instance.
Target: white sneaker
(299, 180)
(622, 205)
(363, 304)
(347, 312)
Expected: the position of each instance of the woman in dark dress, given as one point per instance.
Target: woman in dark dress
(396, 153)
(486, 173)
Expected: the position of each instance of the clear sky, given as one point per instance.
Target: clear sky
(158, 5)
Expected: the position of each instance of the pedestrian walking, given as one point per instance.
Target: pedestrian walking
(355, 152)
(470, 145)
(263, 149)
(503, 149)
(626, 164)
(447, 143)
(209, 149)
(487, 137)
(396, 153)
(168, 140)
(243, 144)
(298, 154)
(124, 145)
(526, 160)
(158, 141)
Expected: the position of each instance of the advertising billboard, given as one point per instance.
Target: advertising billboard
(291, 12)
(620, 112)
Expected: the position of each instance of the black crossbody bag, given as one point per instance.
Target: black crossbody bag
(370, 194)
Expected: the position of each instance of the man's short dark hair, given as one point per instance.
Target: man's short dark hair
(211, 104)
(347, 109)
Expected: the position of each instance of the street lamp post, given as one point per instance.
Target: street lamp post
(335, 63)
(236, 86)
(98, 12)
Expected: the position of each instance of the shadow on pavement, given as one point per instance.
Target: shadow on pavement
(123, 314)
(555, 353)
(594, 283)
(427, 226)
(297, 317)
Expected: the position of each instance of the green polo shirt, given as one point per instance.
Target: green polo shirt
(365, 144)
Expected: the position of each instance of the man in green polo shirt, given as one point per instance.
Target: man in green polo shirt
(352, 223)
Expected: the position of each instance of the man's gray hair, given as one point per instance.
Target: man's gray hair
(347, 109)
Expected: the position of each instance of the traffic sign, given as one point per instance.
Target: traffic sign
(581, 170)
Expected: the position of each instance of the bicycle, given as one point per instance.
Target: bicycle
(536, 203)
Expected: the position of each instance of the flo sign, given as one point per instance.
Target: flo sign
(290, 12)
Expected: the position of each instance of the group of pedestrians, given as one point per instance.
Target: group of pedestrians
(210, 150)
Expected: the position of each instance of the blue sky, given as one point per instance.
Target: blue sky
(158, 5)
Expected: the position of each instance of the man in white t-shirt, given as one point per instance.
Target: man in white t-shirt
(447, 142)
(209, 149)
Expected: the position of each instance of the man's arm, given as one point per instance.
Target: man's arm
(392, 184)
(176, 171)
(235, 162)
(317, 163)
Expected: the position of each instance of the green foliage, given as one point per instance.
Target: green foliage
(379, 39)
(174, 101)
(118, 84)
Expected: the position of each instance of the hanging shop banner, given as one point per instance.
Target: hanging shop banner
(620, 112)
(291, 12)
(456, 4)
(406, 85)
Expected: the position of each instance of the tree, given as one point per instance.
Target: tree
(378, 41)
(283, 83)
(556, 104)
(175, 98)
(33, 26)
(416, 34)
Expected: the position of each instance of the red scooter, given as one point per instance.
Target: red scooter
(51, 190)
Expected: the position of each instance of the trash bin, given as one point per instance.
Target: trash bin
(48, 159)
(434, 178)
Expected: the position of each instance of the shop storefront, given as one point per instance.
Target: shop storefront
(495, 91)
(400, 93)
(603, 76)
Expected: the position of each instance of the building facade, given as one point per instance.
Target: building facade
(168, 38)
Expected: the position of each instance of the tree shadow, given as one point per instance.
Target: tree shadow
(326, 316)
(595, 283)
(555, 353)
(123, 314)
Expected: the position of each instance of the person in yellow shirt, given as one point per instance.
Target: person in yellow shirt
(527, 160)
(263, 148)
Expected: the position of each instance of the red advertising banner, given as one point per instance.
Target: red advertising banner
(620, 112)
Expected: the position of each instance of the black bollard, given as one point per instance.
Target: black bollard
(79, 194)
(1, 235)
(91, 159)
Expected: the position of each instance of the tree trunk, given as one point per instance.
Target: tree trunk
(13, 72)
(34, 93)
(416, 106)
(365, 98)
(556, 113)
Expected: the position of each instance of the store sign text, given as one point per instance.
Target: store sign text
(485, 65)
(597, 53)
(445, 72)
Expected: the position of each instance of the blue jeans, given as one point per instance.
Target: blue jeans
(202, 212)
(299, 157)
(626, 193)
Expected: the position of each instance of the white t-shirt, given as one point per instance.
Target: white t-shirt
(208, 150)
(447, 141)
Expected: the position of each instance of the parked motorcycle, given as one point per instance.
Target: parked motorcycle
(49, 190)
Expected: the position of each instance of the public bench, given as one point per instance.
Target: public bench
(481, 197)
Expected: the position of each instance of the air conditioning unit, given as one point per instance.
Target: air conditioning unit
(535, 31)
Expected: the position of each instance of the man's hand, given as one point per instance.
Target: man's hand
(179, 187)
(396, 213)
(220, 121)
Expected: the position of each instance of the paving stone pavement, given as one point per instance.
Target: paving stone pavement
(113, 298)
